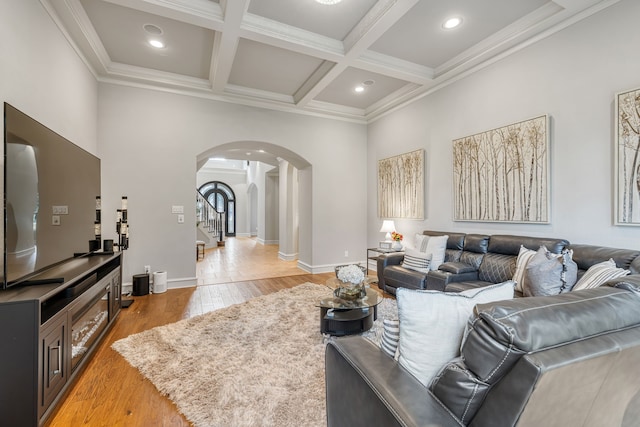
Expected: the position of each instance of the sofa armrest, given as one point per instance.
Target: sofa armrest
(366, 387)
(385, 260)
(437, 280)
(630, 282)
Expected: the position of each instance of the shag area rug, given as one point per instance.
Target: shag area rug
(259, 363)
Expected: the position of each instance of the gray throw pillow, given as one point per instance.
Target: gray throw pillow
(550, 274)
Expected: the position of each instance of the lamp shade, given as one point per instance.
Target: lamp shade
(388, 227)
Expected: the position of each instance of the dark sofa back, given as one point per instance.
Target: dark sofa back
(518, 350)
(587, 255)
(510, 245)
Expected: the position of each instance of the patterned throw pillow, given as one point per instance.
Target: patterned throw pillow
(416, 260)
(524, 256)
(390, 337)
(550, 274)
(599, 274)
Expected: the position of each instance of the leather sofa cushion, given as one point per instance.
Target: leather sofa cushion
(478, 243)
(396, 276)
(463, 286)
(472, 258)
(497, 268)
(456, 267)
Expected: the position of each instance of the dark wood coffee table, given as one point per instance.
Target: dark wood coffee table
(340, 317)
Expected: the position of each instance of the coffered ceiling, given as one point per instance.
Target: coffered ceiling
(301, 55)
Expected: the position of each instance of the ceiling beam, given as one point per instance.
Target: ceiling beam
(225, 43)
(375, 23)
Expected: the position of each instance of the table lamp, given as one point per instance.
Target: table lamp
(387, 227)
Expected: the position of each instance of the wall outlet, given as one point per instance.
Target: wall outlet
(147, 269)
(346, 253)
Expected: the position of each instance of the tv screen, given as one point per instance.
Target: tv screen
(50, 190)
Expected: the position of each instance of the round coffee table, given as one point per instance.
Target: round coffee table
(342, 317)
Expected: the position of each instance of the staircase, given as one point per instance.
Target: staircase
(209, 221)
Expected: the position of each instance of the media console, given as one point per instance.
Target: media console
(49, 331)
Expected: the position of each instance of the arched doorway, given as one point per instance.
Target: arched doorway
(296, 238)
(223, 199)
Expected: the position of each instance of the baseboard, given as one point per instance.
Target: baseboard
(326, 268)
(267, 242)
(287, 257)
(184, 282)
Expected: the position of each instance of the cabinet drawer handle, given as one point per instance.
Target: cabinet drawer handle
(59, 367)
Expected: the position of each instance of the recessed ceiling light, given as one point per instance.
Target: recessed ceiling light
(452, 23)
(152, 29)
(156, 43)
(368, 82)
(328, 2)
(359, 88)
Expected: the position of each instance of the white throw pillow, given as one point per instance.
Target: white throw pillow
(416, 260)
(432, 325)
(436, 246)
(599, 274)
(420, 242)
(524, 256)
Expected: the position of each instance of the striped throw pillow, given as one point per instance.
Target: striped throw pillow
(599, 274)
(524, 256)
(416, 260)
(390, 337)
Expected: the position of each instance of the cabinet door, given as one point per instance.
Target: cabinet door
(54, 366)
(116, 295)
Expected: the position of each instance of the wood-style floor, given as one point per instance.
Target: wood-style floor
(112, 393)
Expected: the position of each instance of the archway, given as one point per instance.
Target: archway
(273, 158)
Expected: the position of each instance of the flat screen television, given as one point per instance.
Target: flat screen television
(50, 191)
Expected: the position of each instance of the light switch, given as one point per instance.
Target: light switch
(55, 220)
(177, 209)
(180, 219)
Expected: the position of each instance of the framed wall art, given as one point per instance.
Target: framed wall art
(627, 158)
(502, 175)
(401, 186)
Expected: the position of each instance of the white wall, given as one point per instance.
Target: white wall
(572, 76)
(41, 75)
(149, 140)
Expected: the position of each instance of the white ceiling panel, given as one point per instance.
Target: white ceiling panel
(432, 45)
(298, 55)
(342, 88)
(334, 21)
(121, 31)
(270, 69)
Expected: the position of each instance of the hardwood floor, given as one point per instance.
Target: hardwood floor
(112, 393)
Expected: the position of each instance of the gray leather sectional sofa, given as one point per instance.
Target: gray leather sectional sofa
(473, 260)
(565, 360)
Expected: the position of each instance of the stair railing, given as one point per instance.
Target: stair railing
(209, 217)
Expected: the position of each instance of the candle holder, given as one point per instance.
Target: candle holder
(122, 226)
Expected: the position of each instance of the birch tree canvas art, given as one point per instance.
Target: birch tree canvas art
(628, 158)
(503, 174)
(401, 186)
